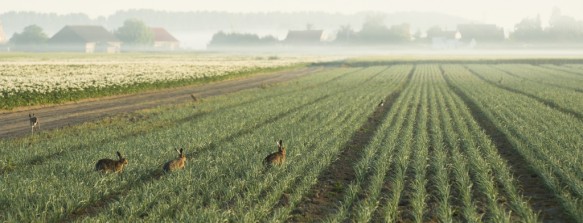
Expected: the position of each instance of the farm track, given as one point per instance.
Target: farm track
(323, 196)
(40, 159)
(15, 123)
(154, 174)
(541, 100)
(533, 188)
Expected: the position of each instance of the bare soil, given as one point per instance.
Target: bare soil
(15, 123)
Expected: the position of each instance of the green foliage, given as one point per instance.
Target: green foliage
(562, 28)
(134, 32)
(374, 31)
(221, 39)
(529, 30)
(31, 35)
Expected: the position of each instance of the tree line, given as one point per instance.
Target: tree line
(133, 32)
(561, 28)
(374, 29)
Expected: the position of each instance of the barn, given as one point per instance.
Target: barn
(304, 37)
(481, 32)
(88, 39)
(163, 40)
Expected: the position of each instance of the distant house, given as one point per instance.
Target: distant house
(163, 40)
(480, 33)
(444, 39)
(88, 39)
(304, 37)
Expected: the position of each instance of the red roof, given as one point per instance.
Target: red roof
(161, 35)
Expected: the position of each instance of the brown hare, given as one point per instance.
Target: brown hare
(177, 163)
(109, 165)
(277, 158)
(33, 122)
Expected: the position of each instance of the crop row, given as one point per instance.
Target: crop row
(549, 140)
(225, 142)
(442, 152)
(431, 161)
(551, 89)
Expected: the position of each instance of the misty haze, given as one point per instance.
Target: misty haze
(291, 111)
(538, 26)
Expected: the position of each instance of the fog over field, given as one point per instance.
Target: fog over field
(426, 24)
(501, 12)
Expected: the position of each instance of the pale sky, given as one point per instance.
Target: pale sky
(502, 12)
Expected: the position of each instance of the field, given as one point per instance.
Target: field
(30, 79)
(459, 141)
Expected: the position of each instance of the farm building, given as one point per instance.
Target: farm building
(444, 39)
(304, 37)
(88, 39)
(163, 40)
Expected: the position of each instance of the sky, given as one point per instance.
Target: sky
(505, 13)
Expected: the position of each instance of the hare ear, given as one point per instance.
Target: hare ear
(119, 154)
(179, 151)
(279, 143)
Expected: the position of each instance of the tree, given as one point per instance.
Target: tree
(400, 33)
(529, 29)
(564, 28)
(374, 30)
(561, 28)
(222, 39)
(434, 31)
(31, 35)
(345, 34)
(135, 32)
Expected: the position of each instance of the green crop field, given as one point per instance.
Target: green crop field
(497, 141)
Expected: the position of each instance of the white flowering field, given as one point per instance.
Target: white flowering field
(57, 78)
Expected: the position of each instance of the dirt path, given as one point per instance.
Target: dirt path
(15, 123)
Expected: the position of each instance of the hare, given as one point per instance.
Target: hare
(277, 158)
(33, 122)
(177, 163)
(109, 165)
